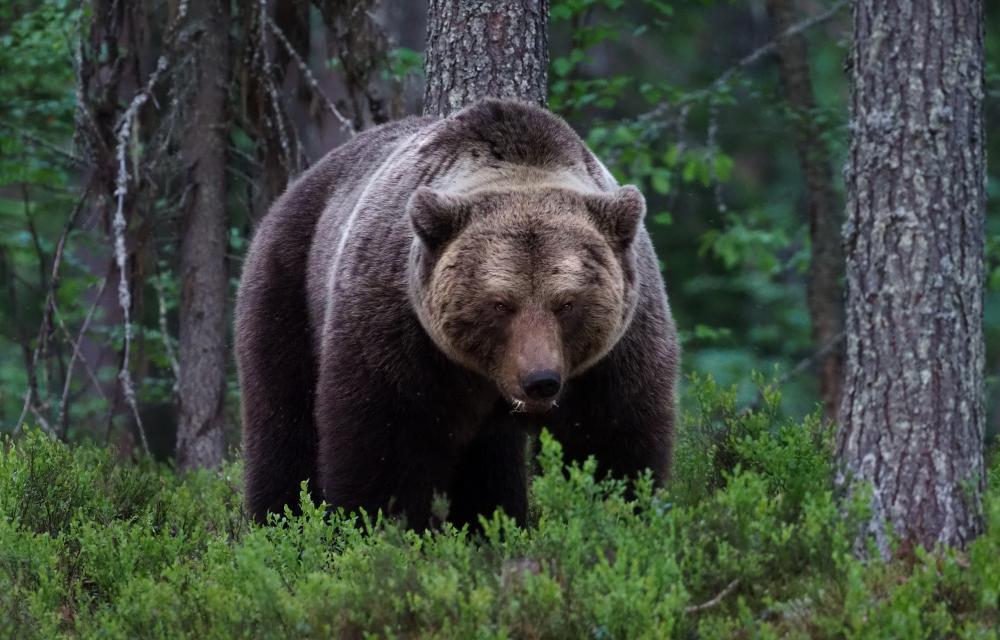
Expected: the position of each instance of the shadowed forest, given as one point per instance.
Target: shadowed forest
(826, 220)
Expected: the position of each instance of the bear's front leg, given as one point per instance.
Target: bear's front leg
(373, 457)
(492, 473)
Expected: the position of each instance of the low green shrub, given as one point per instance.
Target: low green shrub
(747, 541)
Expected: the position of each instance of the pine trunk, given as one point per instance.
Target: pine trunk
(825, 296)
(912, 414)
(482, 49)
(202, 353)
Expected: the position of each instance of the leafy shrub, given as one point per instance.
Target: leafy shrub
(748, 540)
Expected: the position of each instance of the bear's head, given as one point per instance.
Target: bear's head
(526, 287)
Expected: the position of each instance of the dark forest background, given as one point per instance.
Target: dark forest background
(689, 100)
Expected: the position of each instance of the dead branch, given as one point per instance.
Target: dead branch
(42, 421)
(361, 47)
(63, 417)
(805, 363)
(119, 225)
(659, 112)
(801, 366)
(164, 329)
(716, 601)
(307, 73)
(272, 90)
(45, 144)
(31, 393)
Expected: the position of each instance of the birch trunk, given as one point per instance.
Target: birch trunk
(482, 49)
(202, 354)
(912, 414)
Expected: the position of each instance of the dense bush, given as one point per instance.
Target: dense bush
(748, 540)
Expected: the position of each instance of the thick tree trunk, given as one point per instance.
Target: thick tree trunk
(482, 49)
(202, 354)
(912, 413)
(825, 296)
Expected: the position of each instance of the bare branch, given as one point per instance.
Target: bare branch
(805, 363)
(659, 112)
(119, 225)
(307, 73)
(45, 144)
(63, 420)
(716, 601)
(42, 421)
(43, 331)
(165, 330)
(801, 366)
(272, 90)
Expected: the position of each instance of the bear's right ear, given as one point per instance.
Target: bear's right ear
(437, 217)
(618, 214)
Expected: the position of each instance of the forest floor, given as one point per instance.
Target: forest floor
(748, 540)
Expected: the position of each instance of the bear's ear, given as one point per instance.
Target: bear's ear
(618, 214)
(437, 217)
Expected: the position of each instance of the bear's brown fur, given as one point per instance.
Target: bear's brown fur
(432, 291)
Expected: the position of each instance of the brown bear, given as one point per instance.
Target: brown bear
(430, 293)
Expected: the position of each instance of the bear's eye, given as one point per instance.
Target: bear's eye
(501, 308)
(565, 308)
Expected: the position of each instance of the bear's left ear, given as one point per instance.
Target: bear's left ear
(436, 216)
(618, 214)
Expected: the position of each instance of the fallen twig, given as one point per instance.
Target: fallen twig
(716, 601)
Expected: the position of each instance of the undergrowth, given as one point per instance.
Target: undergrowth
(748, 540)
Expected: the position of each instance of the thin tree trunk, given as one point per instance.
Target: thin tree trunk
(912, 414)
(202, 353)
(480, 49)
(825, 296)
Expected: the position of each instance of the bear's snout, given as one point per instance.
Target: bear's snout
(542, 385)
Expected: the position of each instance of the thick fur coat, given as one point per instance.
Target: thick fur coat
(431, 292)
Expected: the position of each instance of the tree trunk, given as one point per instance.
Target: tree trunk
(912, 413)
(824, 294)
(202, 354)
(481, 49)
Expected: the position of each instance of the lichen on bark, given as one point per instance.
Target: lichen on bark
(480, 49)
(912, 414)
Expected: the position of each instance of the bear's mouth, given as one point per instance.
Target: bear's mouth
(533, 407)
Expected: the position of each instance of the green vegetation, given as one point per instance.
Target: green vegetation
(747, 541)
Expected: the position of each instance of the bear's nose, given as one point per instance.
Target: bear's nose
(541, 385)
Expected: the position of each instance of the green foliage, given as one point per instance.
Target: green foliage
(654, 91)
(36, 121)
(748, 540)
(404, 63)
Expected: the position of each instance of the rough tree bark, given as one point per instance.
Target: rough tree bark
(825, 296)
(478, 49)
(912, 414)
(202, 353)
